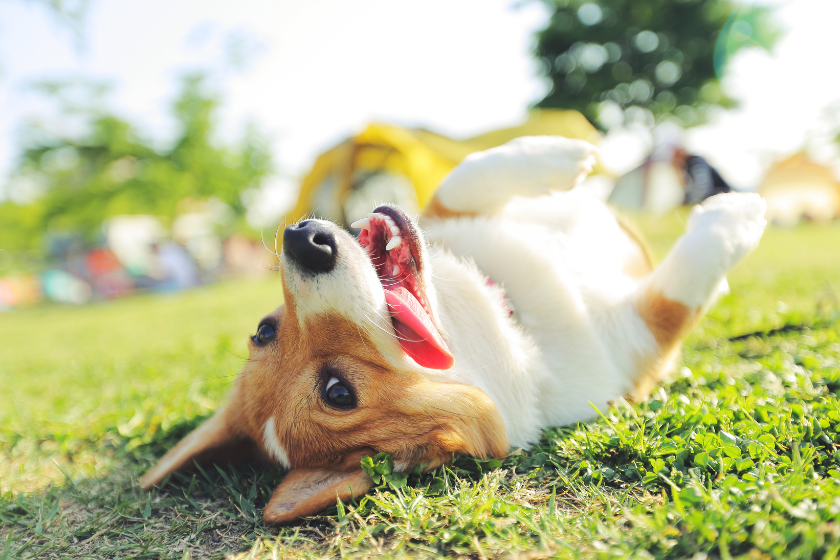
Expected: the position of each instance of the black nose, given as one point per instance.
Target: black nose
(311, 244)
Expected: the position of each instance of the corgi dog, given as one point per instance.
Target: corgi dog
(517, 301)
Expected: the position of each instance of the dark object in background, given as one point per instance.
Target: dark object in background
(702, 180)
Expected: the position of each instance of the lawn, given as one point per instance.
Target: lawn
(736, 457)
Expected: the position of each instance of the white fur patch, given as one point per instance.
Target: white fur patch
(272, 444)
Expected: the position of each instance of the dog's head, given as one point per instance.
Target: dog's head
(350, 365)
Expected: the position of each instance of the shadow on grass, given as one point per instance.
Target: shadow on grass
(208, 512)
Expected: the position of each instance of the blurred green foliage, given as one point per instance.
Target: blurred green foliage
(642, 60)
(79, 180)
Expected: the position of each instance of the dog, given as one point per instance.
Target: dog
(521, 303)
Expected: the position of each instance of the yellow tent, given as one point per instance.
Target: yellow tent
(387, 163)
(797, 188)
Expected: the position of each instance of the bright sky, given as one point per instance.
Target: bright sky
(327, 67)
(790, 98)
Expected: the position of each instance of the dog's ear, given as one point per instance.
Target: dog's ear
(217, 440)
(305, 491)
(459, 418)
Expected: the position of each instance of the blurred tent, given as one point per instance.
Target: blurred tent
(655, 186)
(799, 189)
(388, 163)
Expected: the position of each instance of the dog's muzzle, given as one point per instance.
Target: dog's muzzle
(312, 245)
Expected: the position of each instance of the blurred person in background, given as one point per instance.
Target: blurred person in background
(176, 267)
(701, 180)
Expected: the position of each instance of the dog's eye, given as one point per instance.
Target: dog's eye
(338, 395)
(265, 333)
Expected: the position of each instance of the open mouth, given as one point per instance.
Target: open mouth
(391, 243)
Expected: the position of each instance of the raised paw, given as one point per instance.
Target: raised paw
(736, 220)
(546, 163)
(721, 232)
(530, 166)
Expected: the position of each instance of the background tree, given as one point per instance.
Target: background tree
(644, 59)
(76, 181)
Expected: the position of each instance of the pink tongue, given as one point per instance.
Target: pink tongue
(418, 336)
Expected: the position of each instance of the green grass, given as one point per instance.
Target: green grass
(736, 457)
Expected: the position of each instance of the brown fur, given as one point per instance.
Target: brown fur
(669, 321)
(307, 491)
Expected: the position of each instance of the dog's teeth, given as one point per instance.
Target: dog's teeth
(364, 223)
(395, 230)
(396, 271)
(393, 243)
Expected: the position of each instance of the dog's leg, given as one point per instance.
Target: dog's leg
(531, 166)
(720, 233)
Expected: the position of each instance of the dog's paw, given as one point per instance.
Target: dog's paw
(733, 221)
(534, 165)
(553, 148)
(530, 166)
(559, 163)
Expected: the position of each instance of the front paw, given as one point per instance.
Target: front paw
(550, 163)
